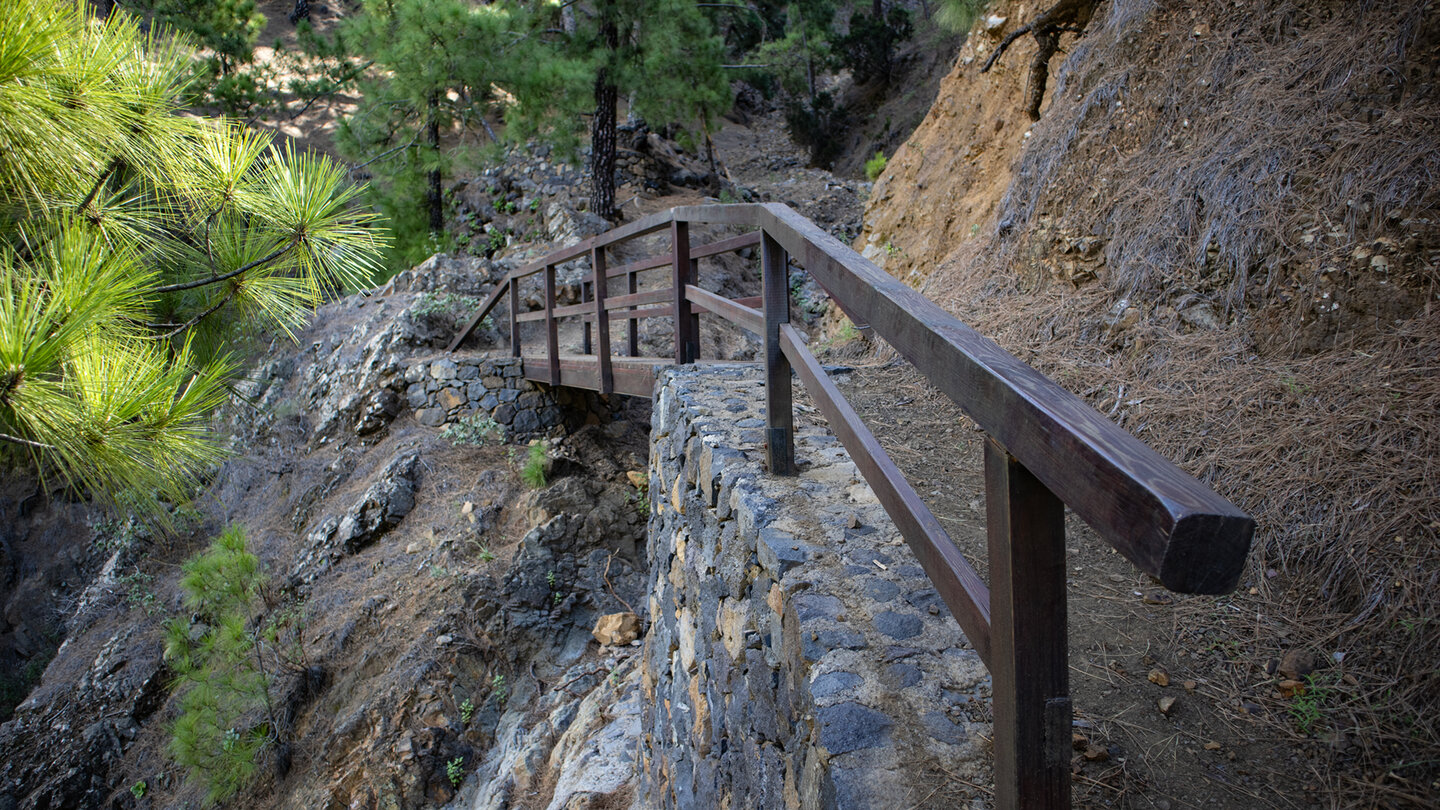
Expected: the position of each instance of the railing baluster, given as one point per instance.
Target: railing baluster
(632, 330)
(694, 316)
(604, 370)
(680, 262)
(514, 320)
(587, 341)
(552, 332)
(779, 408)
(1028, 661)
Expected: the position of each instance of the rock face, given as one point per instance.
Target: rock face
(797, 655)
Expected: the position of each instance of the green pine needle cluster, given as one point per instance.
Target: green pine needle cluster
(135, 241)
(536, 462)
(225, 717)
(227, 653)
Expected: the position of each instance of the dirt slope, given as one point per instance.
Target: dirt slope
(1223, 232)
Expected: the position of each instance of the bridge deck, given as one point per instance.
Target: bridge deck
(634, 376)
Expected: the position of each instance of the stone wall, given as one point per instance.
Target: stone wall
(797, 656)
(449, 387)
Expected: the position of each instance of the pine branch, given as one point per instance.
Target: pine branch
(182, 327)
(99, 184)
(190, 285)
(26, 442)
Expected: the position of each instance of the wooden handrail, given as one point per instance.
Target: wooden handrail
(1045, 449)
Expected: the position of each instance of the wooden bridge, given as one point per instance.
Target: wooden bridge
(1045, 449)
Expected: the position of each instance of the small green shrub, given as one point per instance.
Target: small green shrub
(455, 771)
(473, 430)
(498, 690)
(874, 166)
(467, 711)
(1307, 708)
(228, 668)
(138, 789)
(533, 473)
(433, 303)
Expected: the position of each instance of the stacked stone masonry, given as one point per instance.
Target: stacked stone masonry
(797, 655)
(449, 388)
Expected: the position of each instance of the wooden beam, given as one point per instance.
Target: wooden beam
(552, 332)
(1025, 524)
(480, 314)
(602, 325)
(1164, 521)
(961, 588)
(751, 320)
(779, 408)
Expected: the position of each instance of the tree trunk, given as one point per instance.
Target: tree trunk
(602, 127)
(432, 194)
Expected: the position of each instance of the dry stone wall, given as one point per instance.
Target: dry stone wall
(797, 656)
(450, 387)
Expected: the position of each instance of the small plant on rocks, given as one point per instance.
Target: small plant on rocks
(533, 473)
(874, 166)
(473, 430)
(455, 771)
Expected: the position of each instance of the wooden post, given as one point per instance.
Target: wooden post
(779, 408)
(632, 325)
(1028, 661)
(552, 332)
(514, 320)
(694, 316)
(680, 276)
(605, 372)
(587, 341)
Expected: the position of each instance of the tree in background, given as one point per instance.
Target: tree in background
(439, 67)
(135, 243)
(665, 56)
(868, 48)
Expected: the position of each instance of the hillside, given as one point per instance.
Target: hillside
(1223, 231)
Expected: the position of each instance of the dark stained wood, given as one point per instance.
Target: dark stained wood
(953, 576)
(694, 326)
(1028, 661)
(632, 329)
(751, 320)
(552, 332)
(489, 304)
(652, 263)
(1165, 522)
(634, 376)
(602, 325)
(639, 227)
(587, 338)
(636, 299)
(730, 245)
(514, 316)
(779, 408)
(588, 309)
(685, 342)
(634, 314)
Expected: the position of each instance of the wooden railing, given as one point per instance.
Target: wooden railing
(1045, 449)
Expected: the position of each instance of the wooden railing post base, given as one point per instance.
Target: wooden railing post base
(779, 406)
(1028, 653)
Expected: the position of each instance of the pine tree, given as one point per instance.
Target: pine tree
(228, 669)
(662, 54)
(438, 67)
(134, 243)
